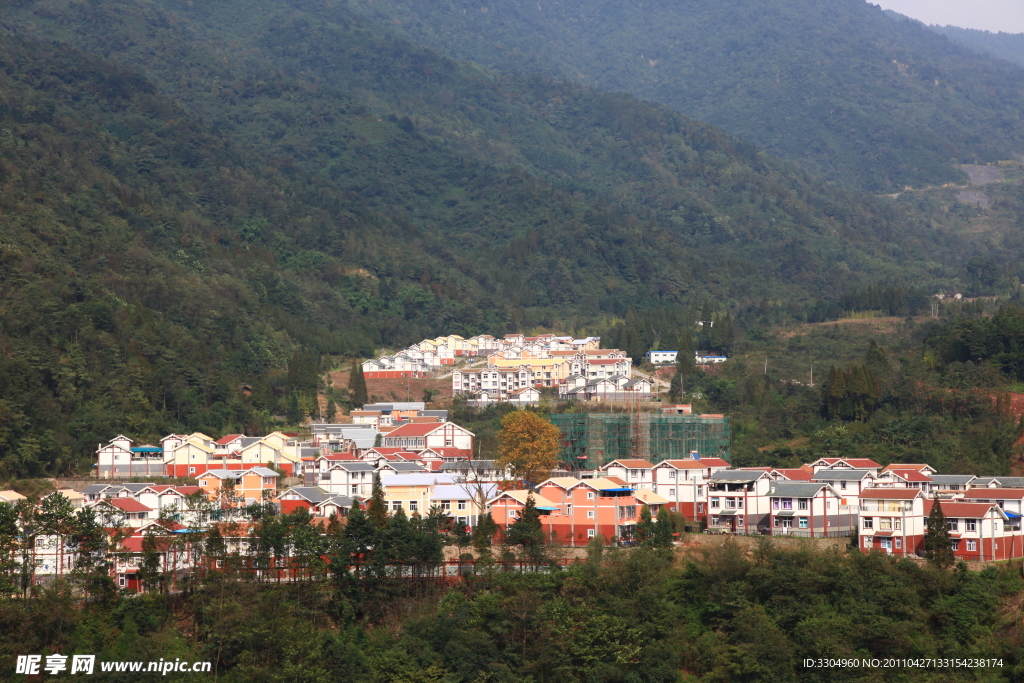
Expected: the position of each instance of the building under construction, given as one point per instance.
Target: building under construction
(590, 440)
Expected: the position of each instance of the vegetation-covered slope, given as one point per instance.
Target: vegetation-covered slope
(287, 176)
(1008, 46)
(854, 95)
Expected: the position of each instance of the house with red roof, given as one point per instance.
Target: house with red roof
(979, 531)
(892, 520)
(913, 479)
(684, 483)
(419, 437)
(846, 463)
(636, 471)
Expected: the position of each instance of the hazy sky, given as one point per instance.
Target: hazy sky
(990, 15)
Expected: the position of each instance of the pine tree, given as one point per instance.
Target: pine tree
(644, 532)
(663, 529)
(332, 410)
(357, 386)
(484, 532)
(938, 546)
(377, 509)
(527, 531)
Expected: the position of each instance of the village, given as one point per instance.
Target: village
(614, 466)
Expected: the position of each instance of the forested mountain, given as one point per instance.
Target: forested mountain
(265, 178)
(1008, 46)
(855, 95)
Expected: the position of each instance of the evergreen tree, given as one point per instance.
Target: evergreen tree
(304, 373)
(663, 529)
(377, 510)
(484, 532)
(527, 531)
(332, 410)
(357, 386)
(294, 410)
(644, 533)
(938, 546)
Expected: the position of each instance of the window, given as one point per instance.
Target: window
(842, 486)
(972, 546)
(802, 522)
(590, 514)
(739, 503)
(715, 503)
(120, 580)
(868, 541)
(802, 503)
(590, 495)
(775, 503)
(739, 521)
(885, 524)
(220, 564)
(396, 506)
(634, 473)
(869, 523)
(714, 520)
(568, 509)
(462, 505)
(787, 503)
(700, 508)
(956, 545)
(446, 505)
(355, 489)
(700, 490)
(972, 525)
(899, 543)
(672, 493)
(414, 505)
(897, 524)
(953, 524)
(671, 474)
(730, 502)
(777, 521)
(191, 470)
(590, 533)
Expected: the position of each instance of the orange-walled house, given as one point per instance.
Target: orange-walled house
(589, 508)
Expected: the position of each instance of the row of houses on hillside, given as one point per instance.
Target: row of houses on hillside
(431, 355)
(429, 438)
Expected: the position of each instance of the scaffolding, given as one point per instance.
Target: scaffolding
(591, 440)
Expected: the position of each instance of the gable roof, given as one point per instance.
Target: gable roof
(691, 464)
(947, 479)
(128, 505)
(630, 463)
(798, 489)
(794, 473)
(225, 440)
(262, 471)
(521, 495)
(649, 497)
(738, 475)
(994, 494)
(910, 475)
(960, 510)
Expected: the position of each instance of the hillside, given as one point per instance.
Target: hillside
(1008, 46)
(193, 204)
(854, 95)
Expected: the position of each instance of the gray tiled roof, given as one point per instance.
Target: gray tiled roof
(796, 489)
(840, 475)
(961, 479)
(737, 475)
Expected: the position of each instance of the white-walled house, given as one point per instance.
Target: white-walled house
(421, 436)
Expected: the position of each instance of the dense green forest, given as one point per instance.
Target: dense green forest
(624, 616)
(1008, 46)
(855, 95)
(235, 195)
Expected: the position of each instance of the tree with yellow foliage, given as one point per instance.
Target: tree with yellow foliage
(529, 446)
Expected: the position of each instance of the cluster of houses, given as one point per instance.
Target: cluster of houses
(584, 373)
(415, 434)
(424, 462)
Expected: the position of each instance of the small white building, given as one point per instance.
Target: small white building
(661, 357)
